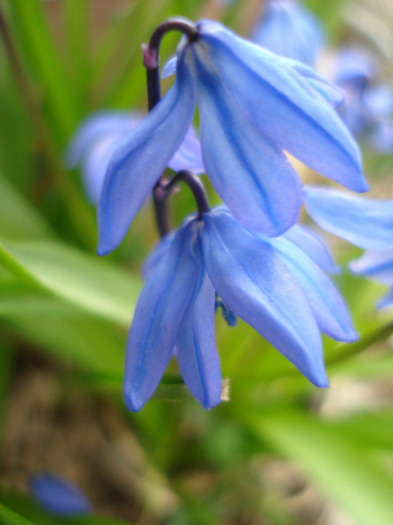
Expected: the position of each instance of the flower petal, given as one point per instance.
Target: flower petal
(376, 265)
(326, 303)
(196, 349)
(254, 283)
(364, 222)
(252, 176)
(386, 300)
(189, 155)
(140, 160)
(158, 315)
(313, 246)
(274, 99)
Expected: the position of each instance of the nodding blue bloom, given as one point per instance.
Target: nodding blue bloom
(253, 105)
(59, 496)
(289, 30)
(365, 223)
(270, 283)
(368, 108)
(101, 134)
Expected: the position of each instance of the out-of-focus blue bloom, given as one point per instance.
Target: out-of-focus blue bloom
(363, 222)
(101, 134)
(289, 30)
(59, 495)
(270, 283)
(253, 105)
(368, 108)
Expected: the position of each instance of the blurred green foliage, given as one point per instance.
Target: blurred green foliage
(57, 298)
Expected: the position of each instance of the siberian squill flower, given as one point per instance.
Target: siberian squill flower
(365, 223)
(252, 105)
(290, 30)
(59, 496)
(270, 283)
(96, 139)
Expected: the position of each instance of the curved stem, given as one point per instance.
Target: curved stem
(195, 185)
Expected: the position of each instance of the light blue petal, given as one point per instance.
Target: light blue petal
(58, 495)
(189, 155)
(312, 244)
(196, 349)
(274, 99)
(158, 315)
(97, 127)
(254, 283)
(252, 176)
(157, 254)
(326, 303)
(169, 68)
(376, 265)
(364, 222)
(140, 160)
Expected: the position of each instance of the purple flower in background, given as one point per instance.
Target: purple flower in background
(364, 222)
(252, 105)
(100, 135)
(271, 283)
(289, 30)
(59, 496)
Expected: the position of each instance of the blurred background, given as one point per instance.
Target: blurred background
(278, 451)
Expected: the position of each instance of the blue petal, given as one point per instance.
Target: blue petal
(386, 300)
(169, 68)
(252, 176)
(313, 245)
(377, 265)
(158, 315)
(58, 495)
(254, 283)
(97, 127)
(140, 160)
(196, 349)
(189, 155)
(274, 99)
(366, 223)
(157, 254)
(326, 303)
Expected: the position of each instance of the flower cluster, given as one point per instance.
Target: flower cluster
(248, 257)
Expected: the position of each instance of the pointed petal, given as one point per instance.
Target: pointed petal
(254, 283)
(157, 254)
(376, 265)
(140, 160)
(169, 68)
(364, 222)
(274, 99)
(189, 155)
(326, 303)
(386, 300)
(158, 315)
(313, 246)
(252, 176)
(196, 349)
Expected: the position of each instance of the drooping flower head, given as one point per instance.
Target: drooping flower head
(271, 283)
(252, 105)
(289, 30)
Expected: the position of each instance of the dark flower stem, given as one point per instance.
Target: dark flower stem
(151, 61)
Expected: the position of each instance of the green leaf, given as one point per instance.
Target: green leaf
(80, 278)
(10, 517)
(346, 472)
(18, 218)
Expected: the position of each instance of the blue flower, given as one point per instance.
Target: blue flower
(270, 283)
(289, 30)
(364, 222)
(252, 106)
(100, 135)
(58, 495)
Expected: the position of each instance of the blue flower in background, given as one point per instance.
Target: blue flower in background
(59, 496)
(368, 108)
(253, 105)
(364, 222)
(101, 134)
(270, 283)
(289, 30)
